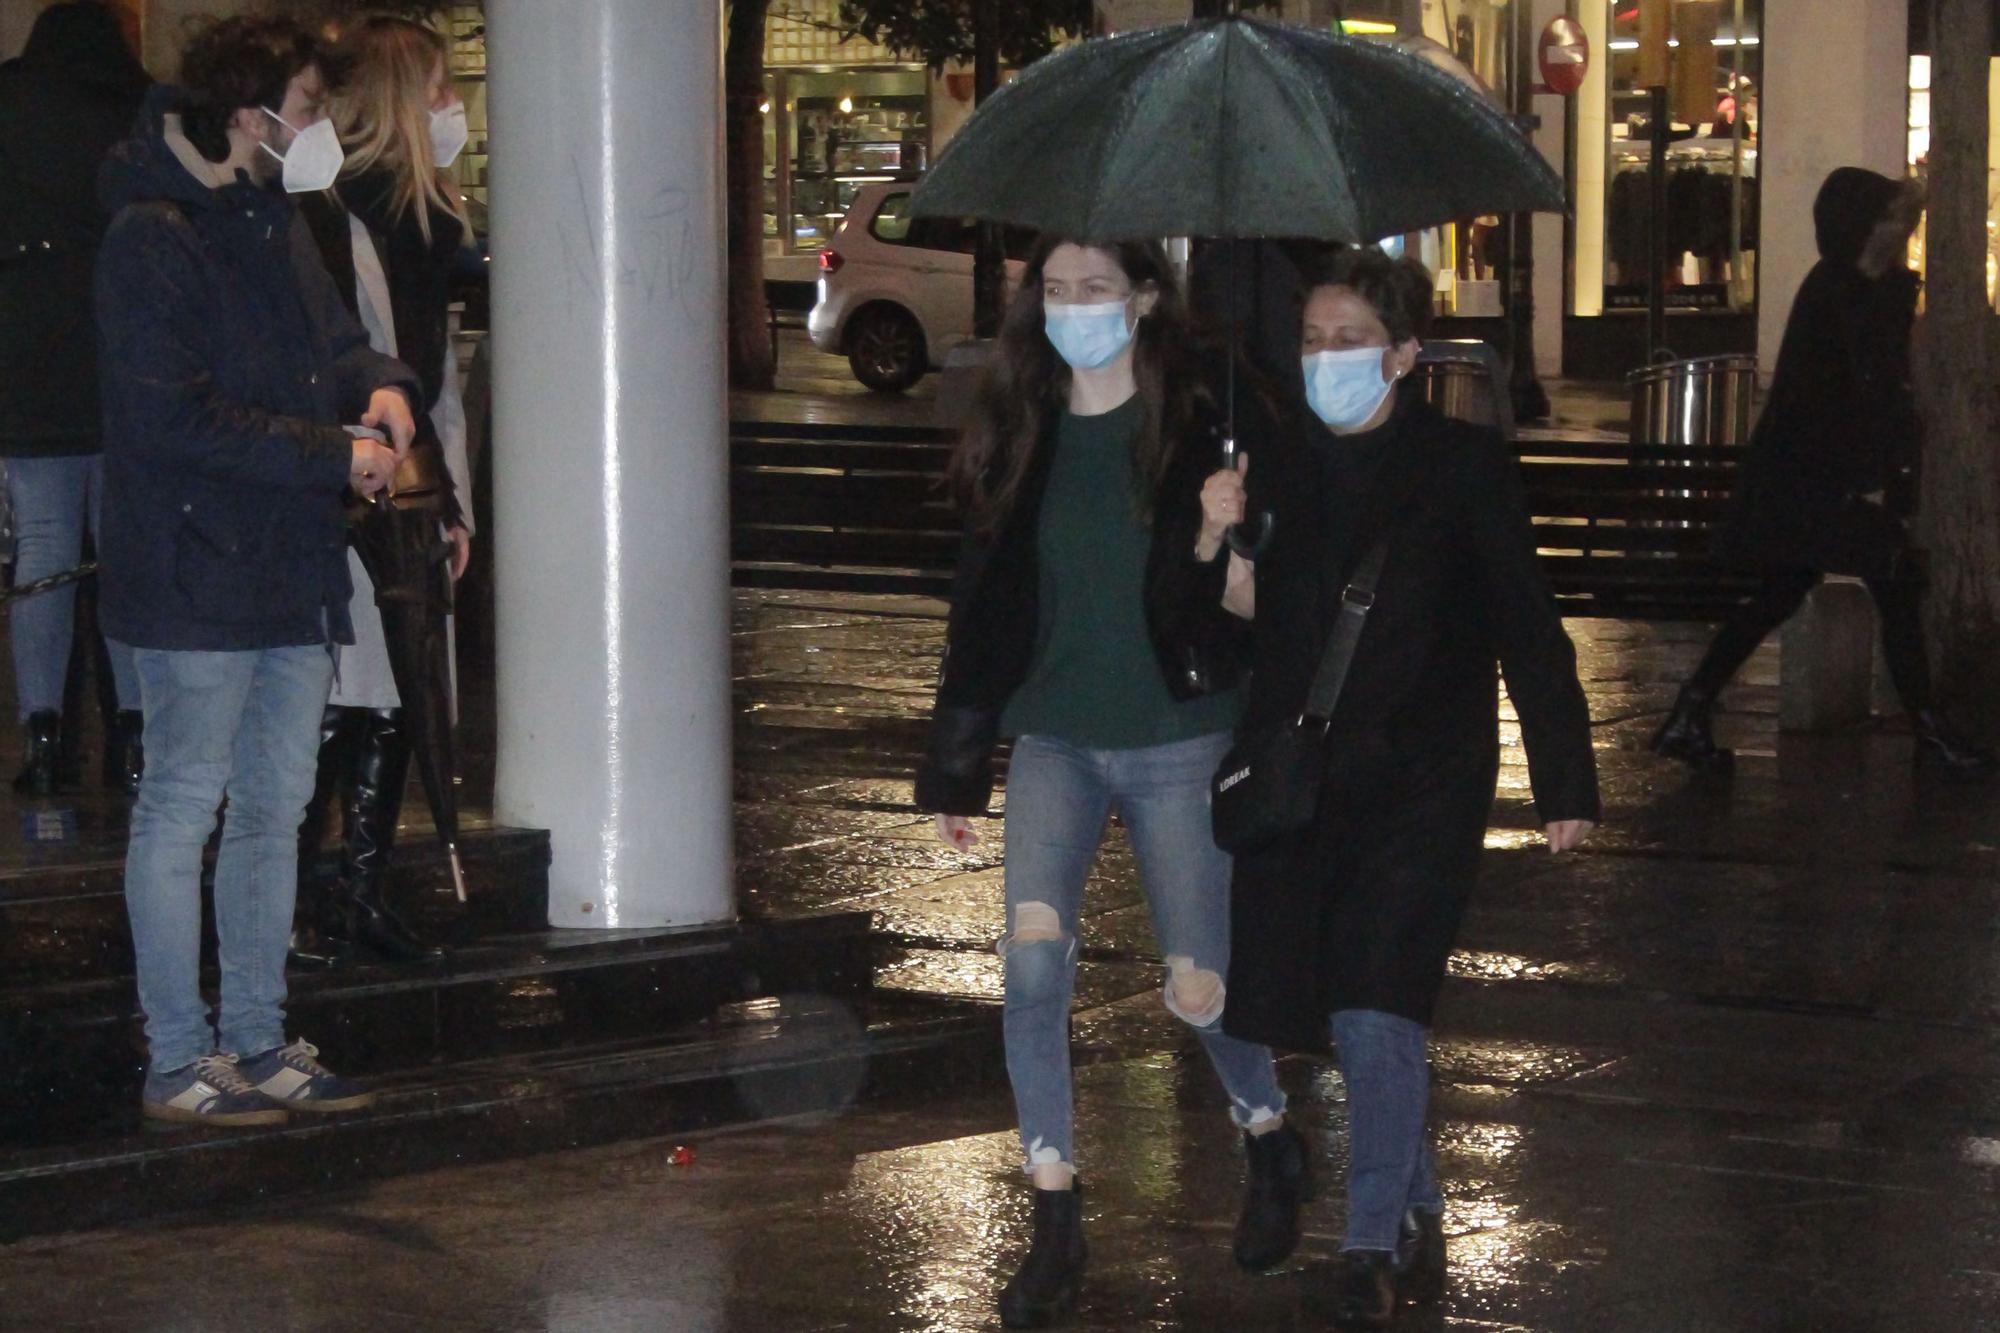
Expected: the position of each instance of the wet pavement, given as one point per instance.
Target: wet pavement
(1736, 1066)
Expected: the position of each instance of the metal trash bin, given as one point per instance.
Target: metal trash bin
(1465, 379)
(1704, 402)
(1708, 400)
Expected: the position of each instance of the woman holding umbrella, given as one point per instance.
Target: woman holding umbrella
(1090, 403)
(389, 231)
(1346, 923)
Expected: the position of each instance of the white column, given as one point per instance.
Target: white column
(610, 460)
(1835, 83)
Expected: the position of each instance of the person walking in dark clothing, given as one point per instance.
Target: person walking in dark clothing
(1344, 926)
(70, 96)
(1829, 482)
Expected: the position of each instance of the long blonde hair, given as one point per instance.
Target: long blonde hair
(382, 109)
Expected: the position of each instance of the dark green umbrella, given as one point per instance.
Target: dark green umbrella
(1237, 128)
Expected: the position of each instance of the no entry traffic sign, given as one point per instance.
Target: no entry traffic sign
(1564, 55)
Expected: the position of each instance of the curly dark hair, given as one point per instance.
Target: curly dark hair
(234, 63)
(1399, 291)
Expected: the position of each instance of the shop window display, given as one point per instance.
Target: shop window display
(1713, 73)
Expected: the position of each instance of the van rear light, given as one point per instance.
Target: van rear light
(830, 261)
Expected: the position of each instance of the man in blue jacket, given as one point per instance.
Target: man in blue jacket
(229, 365)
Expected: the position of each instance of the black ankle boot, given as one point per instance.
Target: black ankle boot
(38, 775)
(357, 914)
(1280, 1181)
(1364, 1289)
(1419, 1262)
(1936, 745)
(1688, 735)
(1045, 1289)
(125, 751)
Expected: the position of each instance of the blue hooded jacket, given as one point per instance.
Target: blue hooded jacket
(229, 364)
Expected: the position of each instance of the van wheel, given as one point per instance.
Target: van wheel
(885, 346)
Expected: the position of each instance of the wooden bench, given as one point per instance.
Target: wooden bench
(1623, 530)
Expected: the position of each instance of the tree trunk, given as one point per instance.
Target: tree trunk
(988, 260)
(1959, 517)
(751, 363)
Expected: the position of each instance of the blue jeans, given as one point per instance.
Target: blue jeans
(244, 726)
(1058, 797)
(1388, 1078)
(52, 499)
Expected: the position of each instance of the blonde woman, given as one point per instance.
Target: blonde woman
(389, 231)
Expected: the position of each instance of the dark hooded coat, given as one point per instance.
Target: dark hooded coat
(1841, 422)
(70, 96)
(230, 366)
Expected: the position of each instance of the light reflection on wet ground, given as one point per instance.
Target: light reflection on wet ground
(1735, 1067)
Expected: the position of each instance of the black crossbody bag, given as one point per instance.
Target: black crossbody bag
(1269, 785)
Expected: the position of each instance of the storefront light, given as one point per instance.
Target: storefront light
(1632, 44)
(1367, 28)
(846, 106)
(764, 108)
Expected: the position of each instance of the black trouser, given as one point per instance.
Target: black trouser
(1899, 600)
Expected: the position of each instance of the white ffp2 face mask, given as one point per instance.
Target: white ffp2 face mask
(449, 134)
(314, 160)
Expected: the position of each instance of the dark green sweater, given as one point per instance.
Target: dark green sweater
(1094, 680)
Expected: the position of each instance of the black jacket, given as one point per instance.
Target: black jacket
(995, 607)
(418, 274)
(1841, 421)
(63, 104)
(1361, 910)
(230, 365)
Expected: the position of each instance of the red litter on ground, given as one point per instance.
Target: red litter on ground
(682, 1155)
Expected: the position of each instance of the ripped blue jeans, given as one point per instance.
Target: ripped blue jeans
(1058, 797)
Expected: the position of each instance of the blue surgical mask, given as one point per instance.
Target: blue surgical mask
(1089, 337)
(1344, 389)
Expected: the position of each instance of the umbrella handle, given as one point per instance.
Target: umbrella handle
(1238, 536)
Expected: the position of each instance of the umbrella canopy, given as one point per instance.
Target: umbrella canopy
(396, 536)
(1237, 128)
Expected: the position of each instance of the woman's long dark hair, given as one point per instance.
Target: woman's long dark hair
(1026, 388)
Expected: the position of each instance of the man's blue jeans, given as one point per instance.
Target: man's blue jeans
(52, 499)
(1058, 797)
(1388, 1078)
(242, 726)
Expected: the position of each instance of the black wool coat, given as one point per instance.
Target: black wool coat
(230, 366)
(418, 274)
(1361, 910)
(70, 96)
(1841, 421)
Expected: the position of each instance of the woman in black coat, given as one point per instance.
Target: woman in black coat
(64, 104)
(1352, 919)
(1830, 478)
(389, 232)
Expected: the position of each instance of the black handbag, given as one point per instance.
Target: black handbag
(1269, 784)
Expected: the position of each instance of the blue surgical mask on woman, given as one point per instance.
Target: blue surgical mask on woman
(1346, 388)
(1089, 337)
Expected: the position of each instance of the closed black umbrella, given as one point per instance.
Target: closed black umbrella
(397, 536)
(1237, 128)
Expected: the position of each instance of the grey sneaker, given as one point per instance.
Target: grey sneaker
(211, 1091)
(291, 1077)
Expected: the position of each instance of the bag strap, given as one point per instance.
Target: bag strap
(1357, 599)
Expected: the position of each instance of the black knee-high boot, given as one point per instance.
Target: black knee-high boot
(360, 917)
(315, 944)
